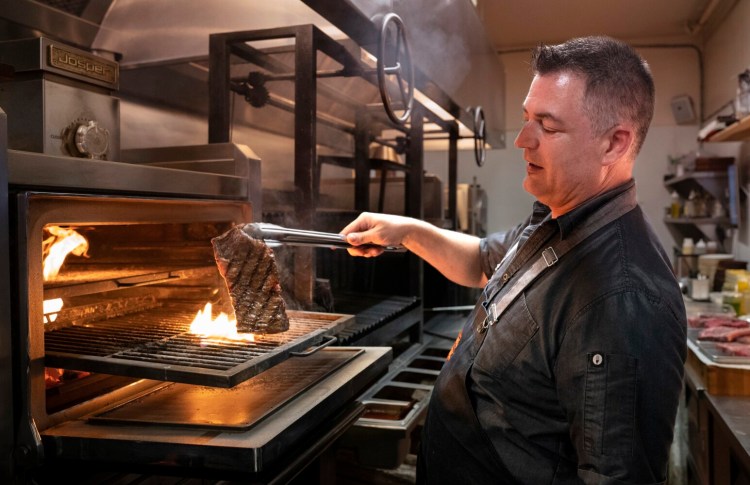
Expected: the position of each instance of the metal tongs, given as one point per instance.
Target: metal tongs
(274, 235)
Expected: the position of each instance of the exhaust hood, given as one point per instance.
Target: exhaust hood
(456, 68)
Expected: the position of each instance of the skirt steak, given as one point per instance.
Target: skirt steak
(249, 269)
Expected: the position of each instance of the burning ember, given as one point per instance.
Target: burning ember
(57, 247)
(51, 307)
(222, 326)
(54, 377)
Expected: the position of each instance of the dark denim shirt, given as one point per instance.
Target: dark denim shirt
(580, 378)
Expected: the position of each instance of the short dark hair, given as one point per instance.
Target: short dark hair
(619, 85)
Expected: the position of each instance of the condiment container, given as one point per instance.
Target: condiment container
(688, 246)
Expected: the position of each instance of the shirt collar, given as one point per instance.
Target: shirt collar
(571, 219)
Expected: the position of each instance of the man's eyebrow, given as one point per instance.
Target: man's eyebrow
(544, 115)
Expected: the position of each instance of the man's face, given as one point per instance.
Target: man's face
(563, 157)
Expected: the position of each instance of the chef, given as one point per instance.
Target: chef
(569, 369)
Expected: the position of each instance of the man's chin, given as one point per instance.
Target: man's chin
(529, 186)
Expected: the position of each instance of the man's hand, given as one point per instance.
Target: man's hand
(454, 254)
(380, 229)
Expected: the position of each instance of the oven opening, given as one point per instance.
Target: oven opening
(125, 296)
(108, 285)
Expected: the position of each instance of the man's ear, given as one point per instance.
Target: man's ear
(619, 141)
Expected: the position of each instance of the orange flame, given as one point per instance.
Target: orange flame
(51, 307)
(57, 247)
(221, 326)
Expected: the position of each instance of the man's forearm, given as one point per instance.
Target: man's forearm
(454, 254)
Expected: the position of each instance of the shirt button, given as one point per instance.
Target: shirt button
(506, 277)
(597, 359)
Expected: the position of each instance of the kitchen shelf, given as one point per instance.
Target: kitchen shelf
(713, 182)
(697, 220)
(738, 131)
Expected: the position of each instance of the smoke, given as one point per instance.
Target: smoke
(440, 52)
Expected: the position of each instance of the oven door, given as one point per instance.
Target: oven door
(272, 424)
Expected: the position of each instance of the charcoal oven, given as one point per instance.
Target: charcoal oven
(114, 377)
(105, 370)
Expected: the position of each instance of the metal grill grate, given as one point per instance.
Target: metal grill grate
(372, 312)
(157, 345)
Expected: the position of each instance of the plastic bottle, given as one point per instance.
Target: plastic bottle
(744, 290)
(676, 206)
(688, 246)
(742, 101)
(688, 209)
(700, 247)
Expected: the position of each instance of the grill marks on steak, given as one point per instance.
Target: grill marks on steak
(249, 269)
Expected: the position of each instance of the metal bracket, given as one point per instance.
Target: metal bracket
(331, 339)
(550, 257)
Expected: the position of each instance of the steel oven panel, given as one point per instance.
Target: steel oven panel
(248, 451)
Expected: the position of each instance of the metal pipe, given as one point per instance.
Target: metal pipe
(288, 105)
(291, 77)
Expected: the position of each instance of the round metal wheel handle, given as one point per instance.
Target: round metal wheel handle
(407, 93)
(480, 136)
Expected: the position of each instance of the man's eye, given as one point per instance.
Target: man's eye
(547, 130)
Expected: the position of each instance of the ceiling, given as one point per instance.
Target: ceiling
(520, 24)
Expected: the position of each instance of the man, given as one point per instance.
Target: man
(570, 368)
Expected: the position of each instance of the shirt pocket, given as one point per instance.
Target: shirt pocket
(506, 339)
(609, 404)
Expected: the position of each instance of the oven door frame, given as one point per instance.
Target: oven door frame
(32, 211)
(7, 410)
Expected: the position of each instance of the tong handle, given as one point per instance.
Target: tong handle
(283, 235)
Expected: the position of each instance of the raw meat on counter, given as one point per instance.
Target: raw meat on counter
(716, 320)
(738, 349)
(248, 267)
(723, 334)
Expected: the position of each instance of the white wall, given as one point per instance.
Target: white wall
(727, 53)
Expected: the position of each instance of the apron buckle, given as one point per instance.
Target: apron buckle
(485, 324)
(490, 319)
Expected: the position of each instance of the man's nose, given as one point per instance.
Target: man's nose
(525, 137)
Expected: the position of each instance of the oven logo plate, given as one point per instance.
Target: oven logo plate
(83, 65)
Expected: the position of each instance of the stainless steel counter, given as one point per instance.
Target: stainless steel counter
(719, 434)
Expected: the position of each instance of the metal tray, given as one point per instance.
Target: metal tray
(711, 351)
(239, 408)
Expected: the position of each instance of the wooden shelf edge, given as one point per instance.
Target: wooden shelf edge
(695, 175)
(738, 131)
(697, 220)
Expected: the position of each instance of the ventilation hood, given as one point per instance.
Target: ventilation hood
(456, 68)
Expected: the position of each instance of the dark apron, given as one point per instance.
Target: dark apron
(459, 450)
(455, 437)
